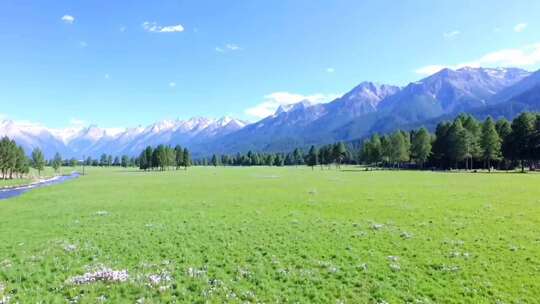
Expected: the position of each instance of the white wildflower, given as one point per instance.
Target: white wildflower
(103, 275)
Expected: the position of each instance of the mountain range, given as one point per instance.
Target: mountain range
(366, 109)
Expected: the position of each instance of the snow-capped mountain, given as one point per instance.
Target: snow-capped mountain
(371, 107)
(449, 91)
(93, 141)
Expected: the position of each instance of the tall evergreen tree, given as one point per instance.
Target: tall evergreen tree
(490, 142)
(22, 165)
(457, 143)
(215, 160)
(187, 159)
(522, 131)
(421, 146)
(313, 157)
(504, 130)
(441, 145)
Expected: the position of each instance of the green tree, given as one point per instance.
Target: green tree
(313, 157)
(125, 161)
(490, 142)
(504, 130)
(457, 143)
(215, 160)
(523, 128)
(38, 160)
(339, 152)
(441, 145)
(421, 146)
(103, 160)
(298, 157)
(187, 159)
(399, 149)
(8, 157)
(179, 156)
(56, 162)
(22, 165)
(474, 130)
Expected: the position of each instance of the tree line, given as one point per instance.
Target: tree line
(107, 160)
(463, 143)
(14, 163)
(164, 157)
(337, 153)
(13, 160)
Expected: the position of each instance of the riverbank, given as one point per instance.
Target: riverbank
(29, 183)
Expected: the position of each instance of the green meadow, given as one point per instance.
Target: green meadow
(275, 235)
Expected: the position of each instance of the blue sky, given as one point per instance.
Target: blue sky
(125, 63)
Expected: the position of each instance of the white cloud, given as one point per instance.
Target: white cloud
(232, 47)
(520, 27)
(330, 70)
(528, 55)
(155, 28)
(272, 101)
(172, 84)
(68, 19)
(451, 35)
(228, 47)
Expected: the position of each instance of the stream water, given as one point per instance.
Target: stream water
(11, 192)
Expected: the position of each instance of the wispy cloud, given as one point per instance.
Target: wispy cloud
(330, 70)
(451, 35)
(153, 27)
(528, 55)
(83, 44)
(107, 76)
(68, 19)
(520, 27)
(228, 47)
(272, 101)
(122, 28)
(172, 84)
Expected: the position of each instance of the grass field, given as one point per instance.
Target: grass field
(276, 235)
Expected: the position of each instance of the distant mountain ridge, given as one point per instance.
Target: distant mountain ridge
(367, 108)
(93, 141)
(371, 107)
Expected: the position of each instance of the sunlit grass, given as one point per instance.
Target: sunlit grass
(276, 235)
